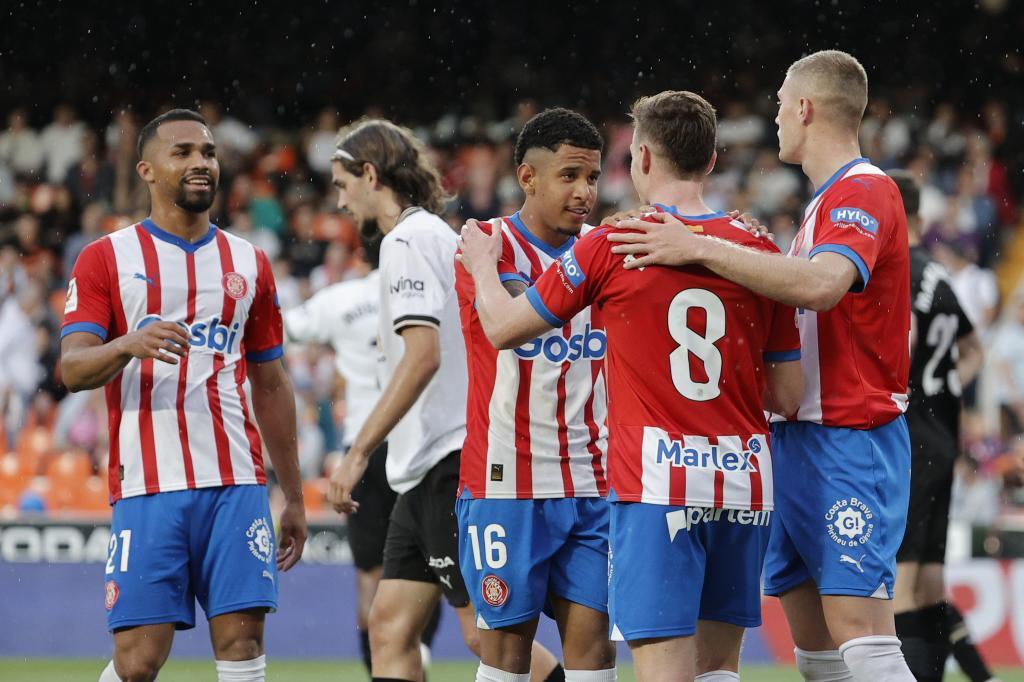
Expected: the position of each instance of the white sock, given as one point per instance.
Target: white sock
(606, 675)
(242, 671)
(485, 673)
(424, 655)
(109, 675)
(717, 676)
(874, 658)
(822, 666)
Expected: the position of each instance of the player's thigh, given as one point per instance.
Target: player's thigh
(802, 606)
(718, 646)
(401, 610)
(579, 567)
(657, 570)
(142, 649)
(237, 636)
(666, 659)
(931, 585)
(846, 517)
(507, 648)
(584, 633)
(905, 592)
(147, 572)
(850, 617)
(234, 557)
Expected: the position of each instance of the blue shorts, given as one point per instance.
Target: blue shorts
(514, 554)
(841, 499)
(672, 565)
(169, 549)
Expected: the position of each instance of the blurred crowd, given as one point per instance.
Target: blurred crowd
(64, 184)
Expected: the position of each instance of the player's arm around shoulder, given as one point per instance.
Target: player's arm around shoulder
(508, 320)
(273, 402)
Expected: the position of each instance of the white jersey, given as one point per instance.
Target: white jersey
(344, 315)
(417, 280)
(189, 425)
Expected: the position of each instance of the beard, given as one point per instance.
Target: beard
(196, 201)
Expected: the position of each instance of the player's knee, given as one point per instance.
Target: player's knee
(137, 668)
(240, 648)
(593, 654)
(472, 639)
(389, 628)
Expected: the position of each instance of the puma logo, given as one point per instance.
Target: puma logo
(844, 559)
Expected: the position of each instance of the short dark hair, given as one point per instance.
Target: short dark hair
(148, 131)
(682, 125)
(909, 189)
(552, 128)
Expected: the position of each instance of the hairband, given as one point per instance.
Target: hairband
(342, 155)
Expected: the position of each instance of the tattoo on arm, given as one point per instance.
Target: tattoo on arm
(515, 287)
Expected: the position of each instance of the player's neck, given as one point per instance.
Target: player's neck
(827, 155)
(181, 223)
(390, 210)
(686, 196)
(547, 234)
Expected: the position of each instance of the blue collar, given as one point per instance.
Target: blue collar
(517, 222)
(674, 211)
(187, 247)
(838, 174)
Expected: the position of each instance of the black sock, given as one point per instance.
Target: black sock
(557, 674)
(364, 649)
(431, 629)
(964, 651)
(924, 640)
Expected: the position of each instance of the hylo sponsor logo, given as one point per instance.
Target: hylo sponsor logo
(856, 217)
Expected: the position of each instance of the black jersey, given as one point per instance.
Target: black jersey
(934, 382)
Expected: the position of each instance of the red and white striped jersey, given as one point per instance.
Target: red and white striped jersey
(188, 425)
(856, 356)
(535, 414)
(686, 357)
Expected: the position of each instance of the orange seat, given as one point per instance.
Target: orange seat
(93, 497)
(34, 445)
(68, 474)
(13, 480)
(314, 492)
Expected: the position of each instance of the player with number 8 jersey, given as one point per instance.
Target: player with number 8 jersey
(693, 360)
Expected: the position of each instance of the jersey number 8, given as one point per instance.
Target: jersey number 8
(703, 347)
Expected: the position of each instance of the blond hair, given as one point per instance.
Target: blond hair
(399, 158)
(838, 85)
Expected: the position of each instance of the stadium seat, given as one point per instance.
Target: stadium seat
(93, 497)
(314, 491)
(13, 480)
(68, 474)
(34, 446)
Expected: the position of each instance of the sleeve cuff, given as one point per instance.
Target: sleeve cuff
(781, 355)
(534, 298)
(404, 321)
(513, 277)
(90, 327)
(272, 353)
(854, 257)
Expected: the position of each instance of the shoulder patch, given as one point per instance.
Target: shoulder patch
(572, 268)
(856, 217)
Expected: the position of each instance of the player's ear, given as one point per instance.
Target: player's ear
(645, 159)
(370, 173)
(806, 110)
(711, 165)
(145, 170)
(527, 176)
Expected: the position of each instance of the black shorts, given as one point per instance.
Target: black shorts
(933, 451)
(423, 538)
(368, 527)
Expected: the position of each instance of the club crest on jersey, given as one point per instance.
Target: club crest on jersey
(110, 594)
(850, 522)
(494, 590)
(259, 540)
(234, 285)
(858, 218)
(715, 457)
(590, 345)
(71, 302)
